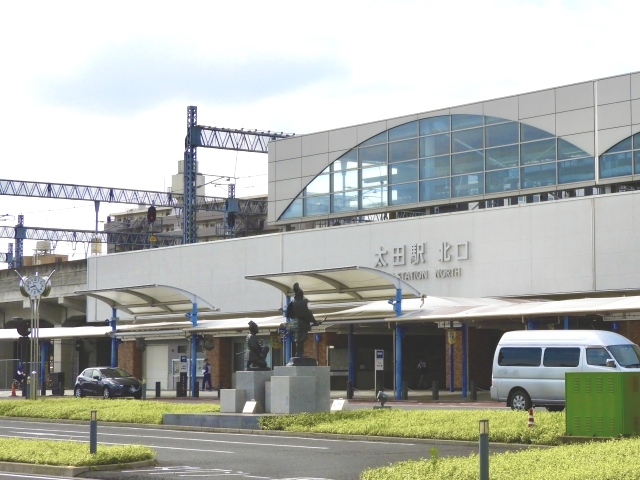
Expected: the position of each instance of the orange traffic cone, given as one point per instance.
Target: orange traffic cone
(530, 422)
(13, 389)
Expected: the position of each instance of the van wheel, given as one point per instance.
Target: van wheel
(555, 408)
(519, 400)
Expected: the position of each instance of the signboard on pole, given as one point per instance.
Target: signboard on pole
(379, 360)
(183, 364)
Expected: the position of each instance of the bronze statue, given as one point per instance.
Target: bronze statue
(254, 353)
(301, 320)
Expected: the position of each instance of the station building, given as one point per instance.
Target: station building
(512, 213)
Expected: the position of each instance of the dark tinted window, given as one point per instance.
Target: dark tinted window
(519, 357)
(597, 356)
(114, 373)
(561, 357)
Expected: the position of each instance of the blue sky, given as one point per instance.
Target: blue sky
(96, 93)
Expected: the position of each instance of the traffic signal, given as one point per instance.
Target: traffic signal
(151, 214)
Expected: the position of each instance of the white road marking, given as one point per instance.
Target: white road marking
(34, 431)
(67, 437)
(311, 439)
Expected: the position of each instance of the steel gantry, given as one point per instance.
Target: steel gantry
(21, 233)
(214, 137)
(22, 188)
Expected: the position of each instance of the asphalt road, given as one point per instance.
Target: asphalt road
(225, 456)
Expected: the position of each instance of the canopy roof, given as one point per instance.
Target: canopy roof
(339, 284)
(150, 299)
(611, 308)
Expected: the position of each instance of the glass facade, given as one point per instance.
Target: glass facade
(452, 156)
(622, 159)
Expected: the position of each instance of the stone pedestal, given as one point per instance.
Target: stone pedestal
(295, 394)
(252, 382)
(320, 402)
(232, 400)
(267, 396)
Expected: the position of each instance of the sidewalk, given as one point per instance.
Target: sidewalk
(364, 396)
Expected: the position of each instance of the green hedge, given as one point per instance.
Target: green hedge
(68, 453)
(130, 411)
(506, 426)
(613, 460)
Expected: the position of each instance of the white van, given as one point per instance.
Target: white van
(529, 365)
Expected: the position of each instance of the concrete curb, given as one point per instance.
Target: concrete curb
(62, 471)
(279, 433)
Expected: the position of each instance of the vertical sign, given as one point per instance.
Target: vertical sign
(379, 360)
(379, 367)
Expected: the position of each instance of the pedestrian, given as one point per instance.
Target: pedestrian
(206, 375)
(19, 376)
(422, 370)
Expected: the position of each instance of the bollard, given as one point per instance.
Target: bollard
(24, 388)
(43, 389)
(219, 388)
(405, 390)
(435, 394)
(93, 432)
(483, 449)
(143, 387)
(196, 389)
(349, 390)
(60, 389)
(473, 396)
(157, 389)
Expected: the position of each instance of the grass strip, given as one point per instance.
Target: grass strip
(129, 411)
(506, 426)
(68, 453)
(613, 460)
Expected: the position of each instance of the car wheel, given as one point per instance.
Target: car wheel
(137, 396)
(555, 408)
(78, 393)
(519, 400)
(106, 393)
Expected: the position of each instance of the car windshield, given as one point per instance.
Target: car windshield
(627, 356)
(114, 373)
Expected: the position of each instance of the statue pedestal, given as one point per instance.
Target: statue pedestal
(297, 389)
(232, 400)
(252, 382)
(302, 362)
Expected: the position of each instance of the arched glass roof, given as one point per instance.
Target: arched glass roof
(442, 158)
(622, 159)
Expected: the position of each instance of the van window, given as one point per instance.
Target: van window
(597, 356)
(519, 357)
(626, 355)
(561, 357)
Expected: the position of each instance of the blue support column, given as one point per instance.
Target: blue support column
(351, 354)
(287, 339)
(44, 349)
(193, 316)
(531, 325)
(451, 376)
(464, 359)
(114, 341)
(397, 308)
(566, 322)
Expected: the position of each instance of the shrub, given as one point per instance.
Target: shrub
(68, 453)
(120, 410)
(506, 426)
(612, 460)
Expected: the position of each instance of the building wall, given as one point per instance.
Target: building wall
(584, 244)
(593, 115)
(130, 359)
